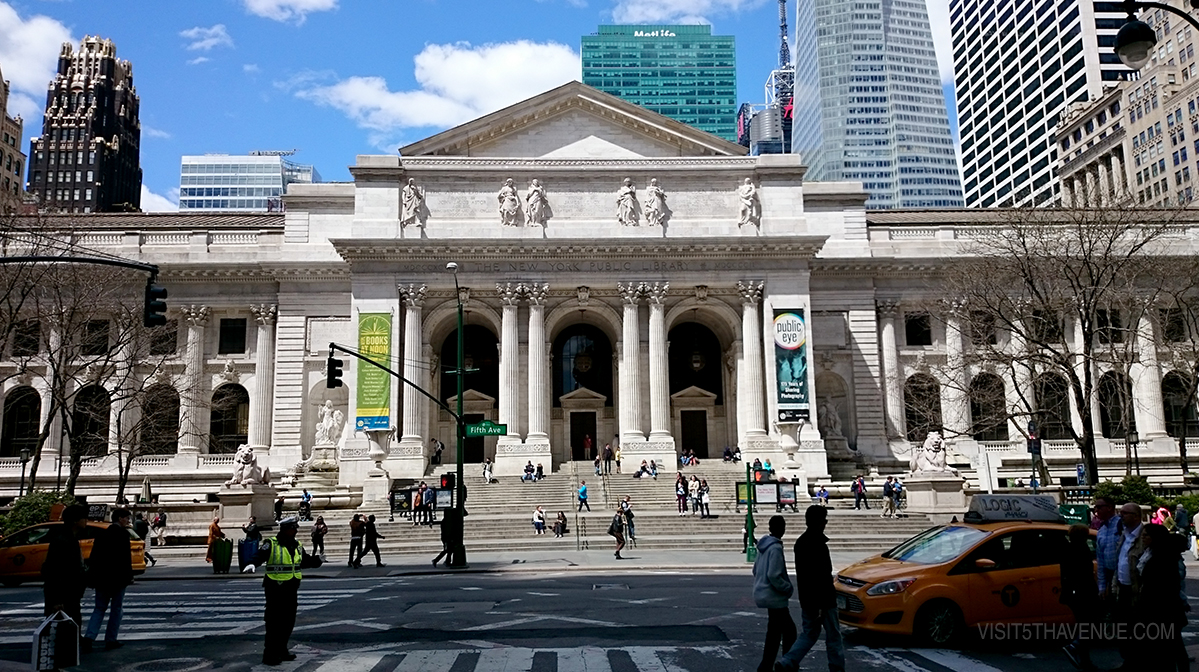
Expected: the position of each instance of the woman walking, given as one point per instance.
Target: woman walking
(680, 494)
(319, 530)
(626, 507)
(616, 529)
(214, 533)
(693, 493)
(705, 499)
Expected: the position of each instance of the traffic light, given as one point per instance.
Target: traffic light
(447, 480)
(156, 306)
(333, 372)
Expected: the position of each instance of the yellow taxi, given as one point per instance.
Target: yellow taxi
(23, 551)
(998, 566)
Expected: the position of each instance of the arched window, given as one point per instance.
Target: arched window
(1179, 397)
(1115, 406)
(89, 421)
(1053, 407)
(694, 358)
(988, 408)
(582, 358)
(22, 421)
(482, 362)
(160, 421)
(922, 406)
(230, 424)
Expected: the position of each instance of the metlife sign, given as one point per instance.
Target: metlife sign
(653, 33)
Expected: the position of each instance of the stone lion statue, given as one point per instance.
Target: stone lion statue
(930, 457)
(246, 470)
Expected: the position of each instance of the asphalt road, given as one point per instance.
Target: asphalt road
(557, 619)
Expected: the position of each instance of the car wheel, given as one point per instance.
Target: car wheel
(938, 622)
(10, 583)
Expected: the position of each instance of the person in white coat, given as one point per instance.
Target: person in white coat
(772, 592)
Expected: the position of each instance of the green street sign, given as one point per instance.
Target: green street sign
(486, 428)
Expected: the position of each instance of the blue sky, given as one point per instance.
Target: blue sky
(337, 78)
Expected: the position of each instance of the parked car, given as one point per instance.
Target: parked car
(23, 551)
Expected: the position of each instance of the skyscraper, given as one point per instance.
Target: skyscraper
(88, 156)
(12, 160)
(869, 105)
(253, 183)
(683, 72)
(1018, 64)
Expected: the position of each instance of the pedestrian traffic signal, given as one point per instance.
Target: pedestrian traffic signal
(333, 372)
(155, 306)
(447, 480)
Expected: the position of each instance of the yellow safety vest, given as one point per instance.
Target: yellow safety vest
(282, 565)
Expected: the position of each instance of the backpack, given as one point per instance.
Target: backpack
(855, 488)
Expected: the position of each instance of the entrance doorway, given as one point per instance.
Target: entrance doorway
(472, 447)
(582, 425)
(695, 432)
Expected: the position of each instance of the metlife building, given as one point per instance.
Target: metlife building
(683, 72)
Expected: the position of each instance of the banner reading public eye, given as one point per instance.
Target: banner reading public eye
(374, 384)
(791, 363)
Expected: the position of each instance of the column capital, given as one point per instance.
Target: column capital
(197, 315)
(412, 295)
(656, 293)
(953, 307)
(887, 307)
(751, 293)
(536, 292)
(265, 313)
(510, 294)
(631, 293)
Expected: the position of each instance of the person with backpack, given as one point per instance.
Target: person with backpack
(372, 537)
(627, 507)
(859, 493)
(888, 499)
(616, 529)
(583, 496)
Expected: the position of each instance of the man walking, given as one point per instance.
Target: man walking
(1107, 543)
(142, 528)
(63, 571)
(284, 558)
(889, 498)
(859, 493)
(817, 597)
(1126, 585)
(772, 590)
(357, 529)
(372, 537)
(583, 496)
(110, 571)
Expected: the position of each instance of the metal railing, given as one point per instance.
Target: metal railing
(580, 522)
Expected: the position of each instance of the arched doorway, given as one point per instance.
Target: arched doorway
(988, 408)
(160, 421)
(1179, 400)
(694, 362)
(22, 421)
(1115, 406)
(89, 422)
(582, 360)
(1053, 407)
(921, 406)
(230, 423)
(482, 363)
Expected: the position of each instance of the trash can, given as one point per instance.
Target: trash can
(222, 556)
(246, 548)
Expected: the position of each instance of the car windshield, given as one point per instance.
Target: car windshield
(936, 545)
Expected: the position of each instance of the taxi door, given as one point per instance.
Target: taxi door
(1051, 544)
(22, 553)
(1008, 592)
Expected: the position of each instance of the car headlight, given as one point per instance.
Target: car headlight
(890, 587)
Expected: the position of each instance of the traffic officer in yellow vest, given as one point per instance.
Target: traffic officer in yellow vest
(284, 557)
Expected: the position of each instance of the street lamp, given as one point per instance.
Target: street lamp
(1136, 39)
(458, 559)
(1135, 439)
(25, 455)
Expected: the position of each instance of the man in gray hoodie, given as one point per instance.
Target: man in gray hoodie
(772, 590)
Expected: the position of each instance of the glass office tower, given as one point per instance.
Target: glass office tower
(683, 72)
(869, 106)
(254, 183)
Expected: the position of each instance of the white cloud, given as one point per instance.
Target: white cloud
(198, 60)
(204, 39)
(458, 82)
(151, 132)
(250, 68)
(29, 58)
(938, 17)
(288, 10)
(152, 202)
(677, 11)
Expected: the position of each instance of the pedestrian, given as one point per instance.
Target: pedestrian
(540, 473)
(142, 528)
(250, 529)
(626, 506)
(618, 459)
(588, 449)
(1126, 583)
(538, 521)
(214, 533)
(680, 494)
(897, 489)
(284, 558)
(426, 504)
(319, 530)
(1080, 592)
(616, 529)
(1182, 525)
(693, 493)
(705, 499)
(63, 572)
(608, 457)
(449, 536)
(357, 529)
(888, 498)
(438, 446)
(159, 525)
(1106, 522)
(859, 493)
(279, 509)
(487, 471)
(772, 592)
(1161, 604)
(371, 537)
(598, 467)
(109, 572)
(530, 474)
(583, 496)
(560, 525)
(817, 597)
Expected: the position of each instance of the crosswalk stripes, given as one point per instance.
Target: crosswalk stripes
(505, 659)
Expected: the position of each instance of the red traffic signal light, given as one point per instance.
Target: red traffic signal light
(447, 480)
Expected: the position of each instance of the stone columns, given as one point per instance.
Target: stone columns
(1119, 181)
(888, 313)
(752, 392)
(538, 361)
(1104, 188)
(630, 367)
(509, 400)
(261, 406)
(955, 395)
(192, 432)
(121, 413)
(659, 381)
(1068, 192)
(413, 299)
(1090, 194)
(1148, 406)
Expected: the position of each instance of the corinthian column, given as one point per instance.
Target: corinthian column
(659, 382)
(1148, 405)
(954, 391)
(630, 367)
(536, 294)
(888, 312)
(261, 406)
(752, 392)
(193, 432)
(413, 297)
(510, 296)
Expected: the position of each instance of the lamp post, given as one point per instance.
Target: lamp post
(1135, 439)
(459, 559)
(1136, 39)
(25, 455)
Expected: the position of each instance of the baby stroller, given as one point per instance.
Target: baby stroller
(305, 510)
